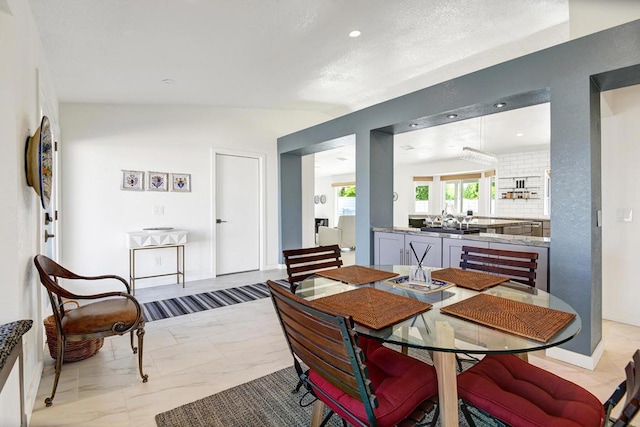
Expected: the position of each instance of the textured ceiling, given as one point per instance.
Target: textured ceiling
(296, 54)
(281, 54)
(521, 130)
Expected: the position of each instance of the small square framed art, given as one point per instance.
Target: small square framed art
(157, 181)
(132, 180)
(180, 182)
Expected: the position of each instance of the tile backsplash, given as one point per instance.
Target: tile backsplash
(520, 165)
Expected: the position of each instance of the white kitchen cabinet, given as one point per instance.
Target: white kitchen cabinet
(394, 249)
(388, 248)
(420, 243)
(452, 249)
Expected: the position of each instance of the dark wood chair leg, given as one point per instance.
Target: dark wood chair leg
(61, 344)
(133, 348)
(140, 333)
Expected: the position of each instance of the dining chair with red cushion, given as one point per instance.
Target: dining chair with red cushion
(358, 378)
(520, 394)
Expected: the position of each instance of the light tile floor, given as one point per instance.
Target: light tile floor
(193, 356)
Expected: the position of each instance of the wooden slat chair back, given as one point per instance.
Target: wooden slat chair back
(302, 263)
(519, 266)
(326, 342)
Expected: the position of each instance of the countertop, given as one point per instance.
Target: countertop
(490, 222)
(482, 237)
(502, 217)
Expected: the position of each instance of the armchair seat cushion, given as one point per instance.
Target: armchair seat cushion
(400, 383)
(99, 316)
(521, 394)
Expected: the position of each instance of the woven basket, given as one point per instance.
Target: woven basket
(73, 350)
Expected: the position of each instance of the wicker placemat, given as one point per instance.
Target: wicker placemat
(372, 307)
(468, 279)
(356, 274)
(520, 318)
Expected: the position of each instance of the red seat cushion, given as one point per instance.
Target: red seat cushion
(399, 382)
(521, 394)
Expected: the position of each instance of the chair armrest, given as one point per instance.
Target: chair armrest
(329, 236)
(108, 276)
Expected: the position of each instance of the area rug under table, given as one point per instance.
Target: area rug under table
(264, 402)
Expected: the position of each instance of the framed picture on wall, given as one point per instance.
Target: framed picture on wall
(132, 180)
(180, 182)
(157, 181)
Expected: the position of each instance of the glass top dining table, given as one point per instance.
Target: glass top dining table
(446, 335)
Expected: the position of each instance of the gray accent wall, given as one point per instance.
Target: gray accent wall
(570, 76)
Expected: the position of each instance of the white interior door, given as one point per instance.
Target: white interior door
(237, 214)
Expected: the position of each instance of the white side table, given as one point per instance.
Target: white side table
(148, 240)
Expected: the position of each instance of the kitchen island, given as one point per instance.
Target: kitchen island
(392, 246)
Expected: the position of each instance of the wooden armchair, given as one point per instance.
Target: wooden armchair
(358, 378)
(302, 263)
(519, 266)
(108, 313)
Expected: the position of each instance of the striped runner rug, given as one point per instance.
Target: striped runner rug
(180, 306)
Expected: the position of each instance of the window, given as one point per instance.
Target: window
(346, 197)
(422, 187)
(461, 193)
(422, 197)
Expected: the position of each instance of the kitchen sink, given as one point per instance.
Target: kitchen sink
(450, 230)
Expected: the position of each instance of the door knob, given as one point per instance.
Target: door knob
(219, 221)
(48, 236)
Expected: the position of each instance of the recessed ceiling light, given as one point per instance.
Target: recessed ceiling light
(407, 147)
(451, 116)
(414, 125)
(500, 104)
(168, 81)
(355, 33)
(519, 134)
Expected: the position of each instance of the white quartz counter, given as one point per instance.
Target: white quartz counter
(483, 237)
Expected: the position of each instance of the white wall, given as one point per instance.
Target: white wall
(532, 164)
(621, 190)
(21, 55)
(98, 141)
